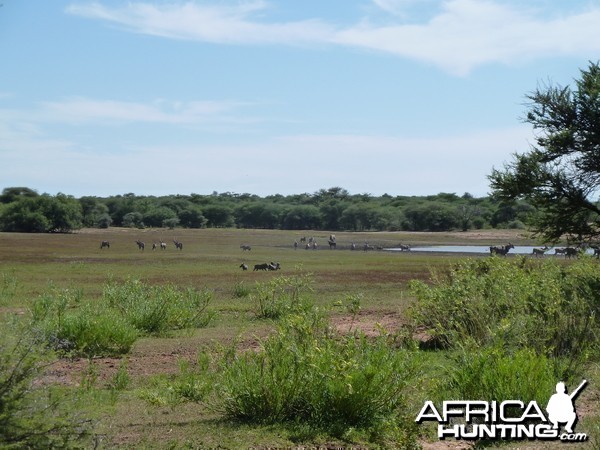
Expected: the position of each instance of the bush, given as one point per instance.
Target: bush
(282, 295)
(304, 375)
(88, 330)
(547, 306)
(32, 415)
(159, 309)
(497, 373)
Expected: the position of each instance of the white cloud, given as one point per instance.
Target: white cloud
(218, 24)
(464, 34)
(83, 110)
(470, 33)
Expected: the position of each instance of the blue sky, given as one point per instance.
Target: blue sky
(405, 97)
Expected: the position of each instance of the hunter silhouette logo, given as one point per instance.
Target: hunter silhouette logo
(561, 408)
(510, 419)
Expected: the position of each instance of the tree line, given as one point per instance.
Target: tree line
(24, 210)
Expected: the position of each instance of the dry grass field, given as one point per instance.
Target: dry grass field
(31, 264)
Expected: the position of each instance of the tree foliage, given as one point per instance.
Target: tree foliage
(327, 209)
(560, 175)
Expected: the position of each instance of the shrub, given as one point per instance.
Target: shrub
(31, 415)
(304, 375)
(497, 373)
(88, 330)
(282, 295)
(547, 306)
(158, 309)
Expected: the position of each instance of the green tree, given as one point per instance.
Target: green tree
(560, 175)
(42, 213)
(218, 215)
(12, 194)
(192, 217)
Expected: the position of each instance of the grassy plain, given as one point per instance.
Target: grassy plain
(30, 264)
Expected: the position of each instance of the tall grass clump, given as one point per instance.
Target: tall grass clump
(549, 307)
(305, 375)
(88, 330)
(8, 288)
(498, 373)
(282, 295)
(158, 309)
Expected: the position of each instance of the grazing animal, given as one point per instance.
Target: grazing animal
(539, 251)
(295, 245)
(274, 266)
(560, 251)
(104, 244)
(331, 242)
(404, 247)
(263, 266)
(303, 239)
(244, 267)
(352, 246)
(178, 245)
(501, 250)
(153, 246)
(245, 247)
(163, 245)
(571, 252)
(314, 245)
(596, 251)
(140, 244)
(368, 247)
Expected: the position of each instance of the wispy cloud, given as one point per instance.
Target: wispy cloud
(462, 35)
(218, 24)
(83, 110)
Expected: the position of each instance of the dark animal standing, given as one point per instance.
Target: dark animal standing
(501, 250)
(140, 244)
(245, 247)
(178, 245)
(104, 244)
(571, 252)
(263, 266)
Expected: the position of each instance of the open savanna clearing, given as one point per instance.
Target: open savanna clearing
(34, 264)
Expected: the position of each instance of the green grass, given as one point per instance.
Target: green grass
(367, 287)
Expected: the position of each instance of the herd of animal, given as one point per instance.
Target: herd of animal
(142, 245)
(311, 243)
(568, 252)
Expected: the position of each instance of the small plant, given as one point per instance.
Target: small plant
(282, 295)
(240, 290)
(8, 288)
